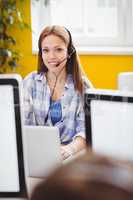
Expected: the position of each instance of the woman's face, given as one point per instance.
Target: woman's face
(54, 51)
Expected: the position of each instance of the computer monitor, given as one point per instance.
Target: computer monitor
(12, 170)
(109, 122)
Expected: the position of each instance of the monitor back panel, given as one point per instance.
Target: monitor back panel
(109, 122)
(12, 171)
(43, 150)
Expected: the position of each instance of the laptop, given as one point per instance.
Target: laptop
(109, 122)
(42, 149)
(12, 166)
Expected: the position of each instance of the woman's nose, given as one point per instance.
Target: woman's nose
(52, 54)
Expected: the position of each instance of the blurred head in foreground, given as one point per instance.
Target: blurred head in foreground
(91, 177)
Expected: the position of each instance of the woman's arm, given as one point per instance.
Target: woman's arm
(79, 141)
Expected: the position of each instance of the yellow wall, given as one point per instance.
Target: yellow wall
(102, 70)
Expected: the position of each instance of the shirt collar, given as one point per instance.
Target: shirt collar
(69, 82)
(41, 77)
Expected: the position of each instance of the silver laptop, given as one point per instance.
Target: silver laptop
(42, 149)
(109, 122)
(12, 166)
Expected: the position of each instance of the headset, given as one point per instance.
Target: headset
(71, 48)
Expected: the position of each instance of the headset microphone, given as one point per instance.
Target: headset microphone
(68, 57)
(61, 61)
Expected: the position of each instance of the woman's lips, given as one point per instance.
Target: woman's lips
(54, 63)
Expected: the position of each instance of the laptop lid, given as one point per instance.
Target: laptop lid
(109, 122)
(12, 172)
(43, 150)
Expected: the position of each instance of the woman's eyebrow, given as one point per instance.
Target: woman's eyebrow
(56, 46)
(60, 46)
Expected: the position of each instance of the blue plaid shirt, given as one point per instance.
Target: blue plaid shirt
(37, 103)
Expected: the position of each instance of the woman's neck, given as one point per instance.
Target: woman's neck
(61, 76)
(56, 83)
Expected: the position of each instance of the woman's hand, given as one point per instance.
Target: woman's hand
(74, 147)
(65, 151)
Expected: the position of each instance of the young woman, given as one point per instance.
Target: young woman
(53, 96)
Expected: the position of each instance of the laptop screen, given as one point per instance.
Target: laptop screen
(12, 176)
(109, 122)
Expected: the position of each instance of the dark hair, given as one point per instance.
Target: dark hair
(72, 65)
(92, 177)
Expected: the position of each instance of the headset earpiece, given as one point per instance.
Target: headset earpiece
(71, 52)
(71, 48)
(68, 56)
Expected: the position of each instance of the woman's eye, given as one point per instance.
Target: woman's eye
(44, 50)
(59, 49)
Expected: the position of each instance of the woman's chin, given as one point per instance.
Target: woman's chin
(54, 69)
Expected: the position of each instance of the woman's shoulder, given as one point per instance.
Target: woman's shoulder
(87, 83)
(35, 76)
(31, 76)
(30, 79)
